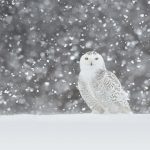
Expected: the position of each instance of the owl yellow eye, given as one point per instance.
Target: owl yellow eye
(96, 58)
(86, 58)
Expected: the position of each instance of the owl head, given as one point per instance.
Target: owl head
(92, 61)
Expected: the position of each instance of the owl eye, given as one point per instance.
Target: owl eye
(96, 58)
(86, 58)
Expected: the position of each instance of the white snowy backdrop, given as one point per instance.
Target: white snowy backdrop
(75, 132)
(41, 42)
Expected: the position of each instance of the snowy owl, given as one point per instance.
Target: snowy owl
(100, 88)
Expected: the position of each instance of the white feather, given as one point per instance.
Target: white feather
(99, 88)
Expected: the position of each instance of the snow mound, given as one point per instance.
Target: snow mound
(75, 132)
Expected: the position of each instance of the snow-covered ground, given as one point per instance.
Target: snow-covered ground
(75, 132)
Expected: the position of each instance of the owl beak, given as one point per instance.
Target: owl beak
(91, 63)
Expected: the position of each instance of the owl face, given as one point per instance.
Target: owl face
(92, 61)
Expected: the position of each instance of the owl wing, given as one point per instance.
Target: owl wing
(114, 89)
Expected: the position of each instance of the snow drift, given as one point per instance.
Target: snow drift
(75, 132)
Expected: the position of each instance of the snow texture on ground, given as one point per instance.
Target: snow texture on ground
(75, 132)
